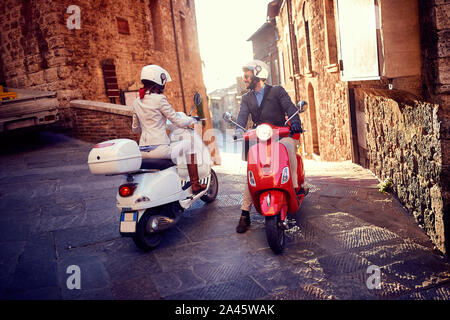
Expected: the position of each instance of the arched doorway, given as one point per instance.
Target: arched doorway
(313, 118)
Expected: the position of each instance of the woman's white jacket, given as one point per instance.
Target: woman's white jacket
(149, 117)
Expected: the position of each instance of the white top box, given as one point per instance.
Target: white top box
(115, 157)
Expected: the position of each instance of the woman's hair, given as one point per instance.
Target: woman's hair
(153, 86)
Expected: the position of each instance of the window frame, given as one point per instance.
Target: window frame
(343, 50)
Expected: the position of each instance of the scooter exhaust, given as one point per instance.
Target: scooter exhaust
(160, 223)
(286, 225)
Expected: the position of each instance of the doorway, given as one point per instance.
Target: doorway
(313, 119)
(359, 127)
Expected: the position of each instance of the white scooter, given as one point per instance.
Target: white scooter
(156, 191)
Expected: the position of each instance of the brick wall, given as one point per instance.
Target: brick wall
(97, 121)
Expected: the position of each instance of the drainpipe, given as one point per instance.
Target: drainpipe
(178, 55)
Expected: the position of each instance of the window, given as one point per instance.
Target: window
(122, 26)
(308, 46)
(330, 36)
(358, 40)
(276, 73)
(157, 29)
(282, 74)
(378, 38)
(288, 50)
(305, 13)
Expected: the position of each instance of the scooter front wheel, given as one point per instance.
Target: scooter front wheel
(275, 234)
(143, 239)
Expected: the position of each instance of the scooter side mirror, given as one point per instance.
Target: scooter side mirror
(197, 102)
(227, 116)
(197, 99)
(302, 106)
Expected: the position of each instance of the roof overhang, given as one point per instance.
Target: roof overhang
(261, 29)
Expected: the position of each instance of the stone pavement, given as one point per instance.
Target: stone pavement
(55, 214)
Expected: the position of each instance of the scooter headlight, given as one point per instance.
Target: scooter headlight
(285, 175)
(251, 179)
(264, 132)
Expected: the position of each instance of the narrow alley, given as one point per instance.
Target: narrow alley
(59, 215)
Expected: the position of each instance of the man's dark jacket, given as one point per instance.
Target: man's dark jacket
(275, 105)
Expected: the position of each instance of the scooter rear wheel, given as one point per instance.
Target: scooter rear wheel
(275, 234)
(213, 189)
(143, 239)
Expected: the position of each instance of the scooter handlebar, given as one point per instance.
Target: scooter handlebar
(282, 132)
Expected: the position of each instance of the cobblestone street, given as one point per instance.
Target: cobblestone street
(55, 214)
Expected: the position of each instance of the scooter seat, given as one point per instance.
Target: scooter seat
(159, 164)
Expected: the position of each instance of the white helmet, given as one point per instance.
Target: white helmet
(259, 68)
(156, 74)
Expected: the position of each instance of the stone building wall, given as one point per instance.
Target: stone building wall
(321, 83)
(327, 120)
(408, 127)
(284, 53)
(435, 40)
(405, 131)
(39, 51)
(403, 137)
(30, 46)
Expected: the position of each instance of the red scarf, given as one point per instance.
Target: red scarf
(142, 92)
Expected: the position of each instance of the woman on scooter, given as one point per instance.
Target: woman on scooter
(150, 113)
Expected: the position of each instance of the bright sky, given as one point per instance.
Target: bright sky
(223, 30)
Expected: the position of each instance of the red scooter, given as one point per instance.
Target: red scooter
(269, 179)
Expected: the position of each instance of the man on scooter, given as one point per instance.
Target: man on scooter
(265, 104)
(150, 113)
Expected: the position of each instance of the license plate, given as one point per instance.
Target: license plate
(128, 222)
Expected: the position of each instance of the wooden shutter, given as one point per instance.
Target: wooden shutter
(110, 77)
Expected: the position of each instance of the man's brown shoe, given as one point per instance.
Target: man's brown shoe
(244, 223)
